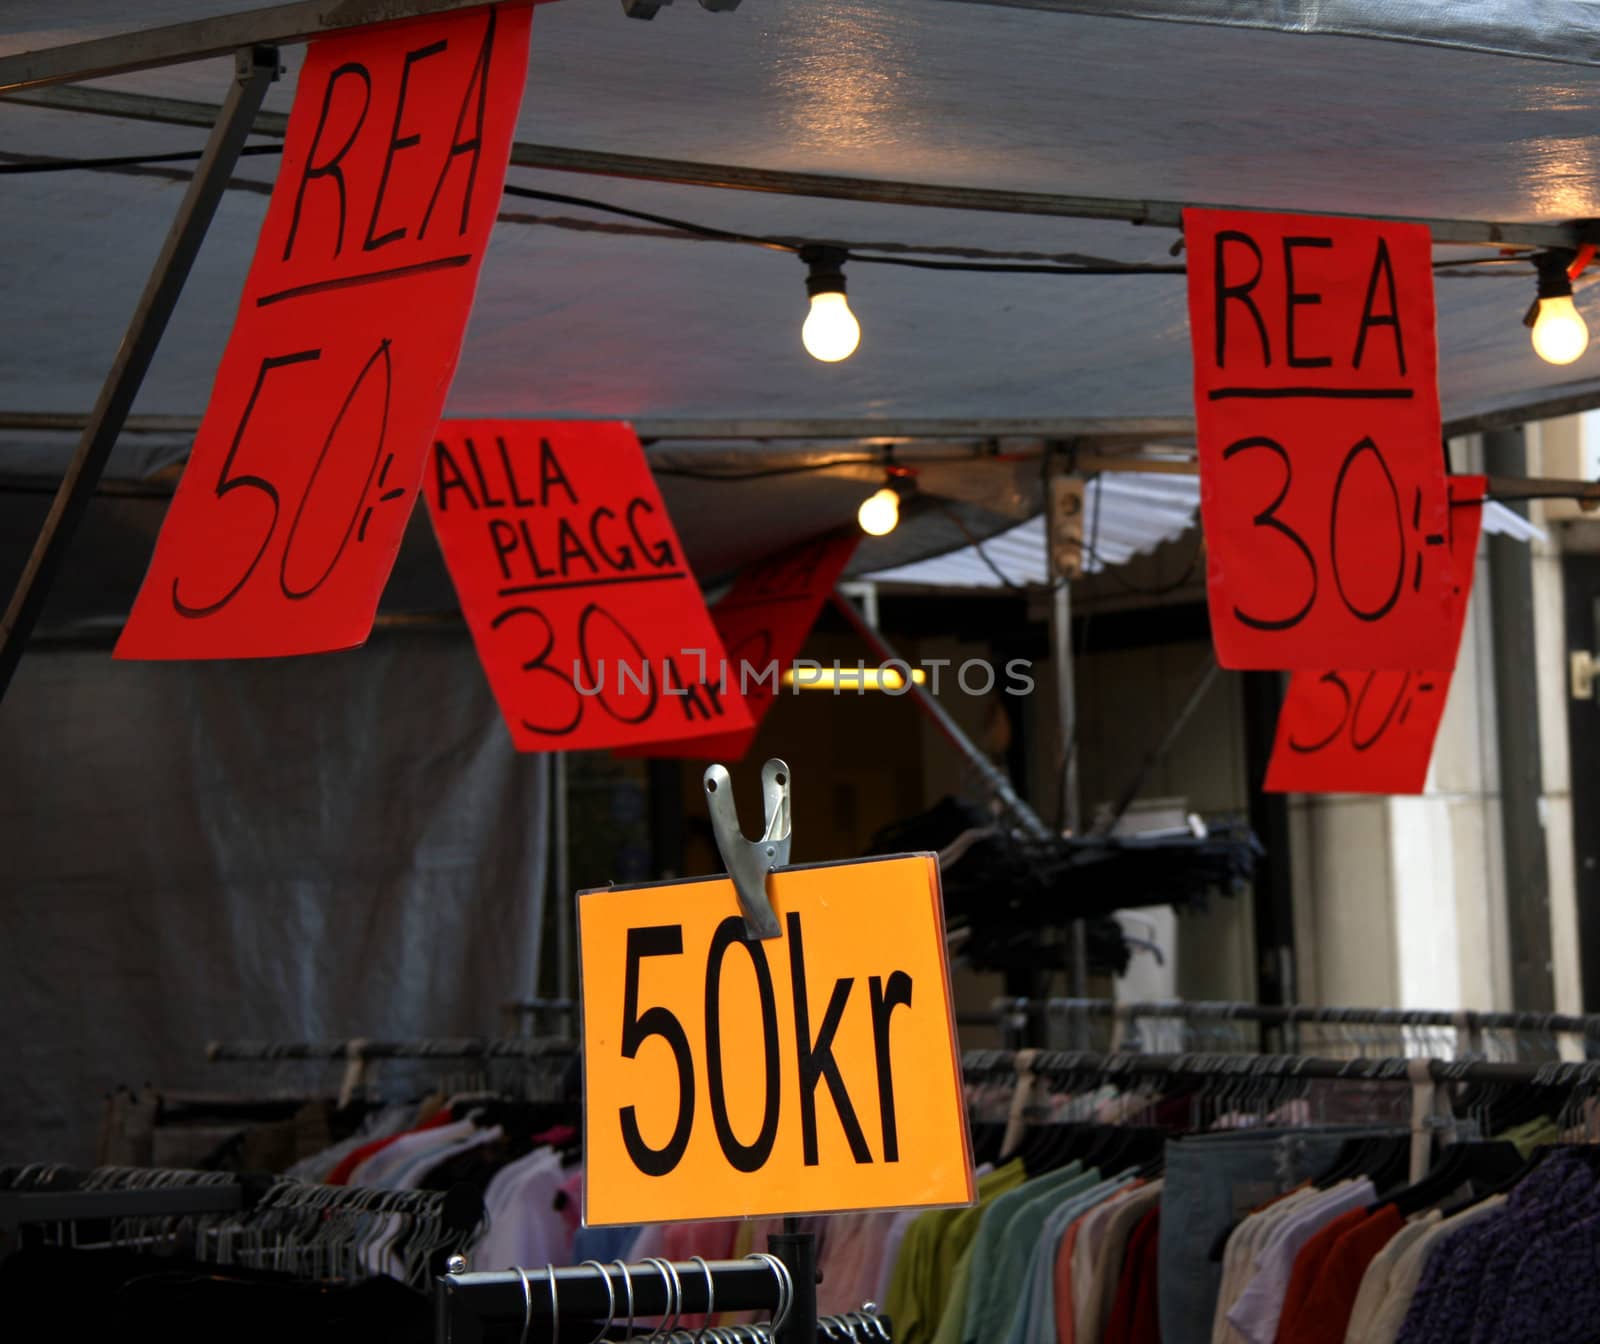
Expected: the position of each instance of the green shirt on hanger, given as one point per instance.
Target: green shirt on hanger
(928, 1256)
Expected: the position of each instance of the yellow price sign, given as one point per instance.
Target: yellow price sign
(814, 1072)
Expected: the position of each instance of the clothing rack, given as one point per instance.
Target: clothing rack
(1069, 1063)
(480, 1308)
(28, 1198)
(329, 1228)
(451, 1048)
(518, 1015)
(1014, 1014)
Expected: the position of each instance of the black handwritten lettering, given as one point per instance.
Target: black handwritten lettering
(1296, 298)
(474, 145)
(487, 499)
(397, 142)
(622, 558)
(455, 480)
(504, 537)
(521, 500)
(572, 548)
(658, 553)
(550, 474)
(1238, 291)
(1382, 268)
(330, 166)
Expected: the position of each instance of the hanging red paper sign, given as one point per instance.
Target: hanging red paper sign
(287, 520)
(1373, 731)
(588, 622)
(1317, 415)
(763, 621)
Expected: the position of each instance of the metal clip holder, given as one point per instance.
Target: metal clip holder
(749, 861)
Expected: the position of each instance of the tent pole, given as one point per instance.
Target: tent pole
(564, 897)
(1024, 816)
(256, 68)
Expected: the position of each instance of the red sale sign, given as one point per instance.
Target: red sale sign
(587, 620)
(1322, 486)
(764, 620)
(287, 520)
(1373, 731)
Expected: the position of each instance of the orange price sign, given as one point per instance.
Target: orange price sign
(814, 1072)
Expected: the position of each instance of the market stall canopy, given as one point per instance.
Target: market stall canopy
(1059, 127)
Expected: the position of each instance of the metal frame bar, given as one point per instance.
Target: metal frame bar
(20, 1208)
(178, 43)
(483, 1047)
(256, 68)
(1297, 1013)
(469, 1307)
(738, 177)
(1264, 1067)
(1019, 811)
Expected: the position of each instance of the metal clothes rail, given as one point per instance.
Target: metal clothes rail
(356, 1048)
(1071, 1063)
(1297, 1014)
(475, 1307)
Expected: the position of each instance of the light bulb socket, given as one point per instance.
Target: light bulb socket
(903, 481)
(1554, 281)
(824, 268)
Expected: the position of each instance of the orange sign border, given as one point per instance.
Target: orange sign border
(931, 861)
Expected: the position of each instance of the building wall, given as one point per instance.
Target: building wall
(1403, 900)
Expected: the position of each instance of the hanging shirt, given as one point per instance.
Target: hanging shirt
(1408, 1271)
(1308, 1265)
(1086, 1255)
(1037, 1319)
(1444, 1309)
(1126, 1215)
(990, 1289)
(1255, 1314)
(397, 1153)
(1134, 1312)
(933, 1244)
(511, 1204)
(1375, 1282)
(347, 1165)
(1554, 1297)
(1323, 1313)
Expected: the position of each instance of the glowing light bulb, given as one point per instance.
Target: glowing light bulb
(879, 514)
(1560, 334)
(831, 332)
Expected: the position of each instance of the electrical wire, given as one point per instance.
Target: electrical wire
(861, 253)
(122, 161)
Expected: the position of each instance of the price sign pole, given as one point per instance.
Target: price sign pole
(775, 1042)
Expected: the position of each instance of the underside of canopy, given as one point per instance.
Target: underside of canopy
(1052, 124)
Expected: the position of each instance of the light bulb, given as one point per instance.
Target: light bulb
(880, 513)
(1560, 334)
(831, 332)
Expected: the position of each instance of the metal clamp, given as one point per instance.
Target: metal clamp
(749, 861)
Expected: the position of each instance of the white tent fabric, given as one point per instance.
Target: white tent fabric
(1126, 514)
(580, 315)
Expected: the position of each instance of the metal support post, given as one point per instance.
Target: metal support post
(1024, 816)
(257, 68)
(798, 1250)
(561, 876)
(1516, 701)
